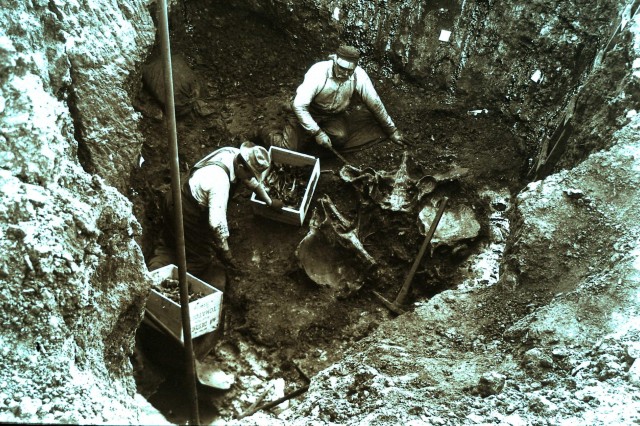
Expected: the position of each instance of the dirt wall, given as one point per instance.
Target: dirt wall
(73, 281)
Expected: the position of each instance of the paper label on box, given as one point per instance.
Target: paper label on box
(204, 315)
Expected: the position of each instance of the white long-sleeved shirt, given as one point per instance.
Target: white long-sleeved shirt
(210, 187)
(332, 96)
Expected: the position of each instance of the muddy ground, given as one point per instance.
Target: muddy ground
(274, 313)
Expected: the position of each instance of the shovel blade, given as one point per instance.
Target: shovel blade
(213, 377)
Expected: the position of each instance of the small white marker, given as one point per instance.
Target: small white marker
(537, 75)
(444, 35)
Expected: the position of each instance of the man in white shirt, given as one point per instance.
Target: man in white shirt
(205, 195)
(320, 109)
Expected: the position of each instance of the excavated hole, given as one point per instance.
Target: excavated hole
(279, 325)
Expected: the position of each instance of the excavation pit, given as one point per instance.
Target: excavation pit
(537, 101)
(276, 316)
(278, 320)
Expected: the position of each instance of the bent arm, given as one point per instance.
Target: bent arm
(217, 199)
(372, 101)
(313, 81)
(259, 189)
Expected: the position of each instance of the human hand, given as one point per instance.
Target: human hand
(397, 138)
(323, 140)
(276, 204)
(227, 259)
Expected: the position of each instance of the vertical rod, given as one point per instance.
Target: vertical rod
(427, 239)
(170, 116)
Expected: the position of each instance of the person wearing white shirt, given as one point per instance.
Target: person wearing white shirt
(320, 109)
(205, 195)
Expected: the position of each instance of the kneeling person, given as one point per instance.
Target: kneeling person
(320, 110)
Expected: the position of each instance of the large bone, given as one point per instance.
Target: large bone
(398, 190)
(331, 253)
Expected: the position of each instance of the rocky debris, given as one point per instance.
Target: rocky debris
(535, 359)
(634, 373)
(68, 246)
(490, 383)
(457, 226)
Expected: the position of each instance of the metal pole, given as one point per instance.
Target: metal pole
(170, 115)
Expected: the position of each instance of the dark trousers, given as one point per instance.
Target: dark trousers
(348, 131)
(198, 235)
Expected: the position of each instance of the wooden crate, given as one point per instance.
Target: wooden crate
(204, 313)
(288, 214)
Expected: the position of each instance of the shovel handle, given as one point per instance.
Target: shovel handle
(427, 239)
(337, 154)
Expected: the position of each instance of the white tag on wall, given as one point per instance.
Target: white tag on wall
(537, 76)
(444, 35)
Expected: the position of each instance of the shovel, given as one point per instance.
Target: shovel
(396, 305)
(205, 375)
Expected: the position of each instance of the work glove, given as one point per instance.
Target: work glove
(323, 140)
(397, 138)
(276, 204)
(227, 259)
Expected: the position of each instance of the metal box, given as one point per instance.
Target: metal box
(205, 312)
(288, 214)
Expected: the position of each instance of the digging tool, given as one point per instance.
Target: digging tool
(163, 27)
(253, 408)
(337, 154)
(201, 373)
(396, 305)
(278, 401)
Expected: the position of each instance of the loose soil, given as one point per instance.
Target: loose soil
(247, 70)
